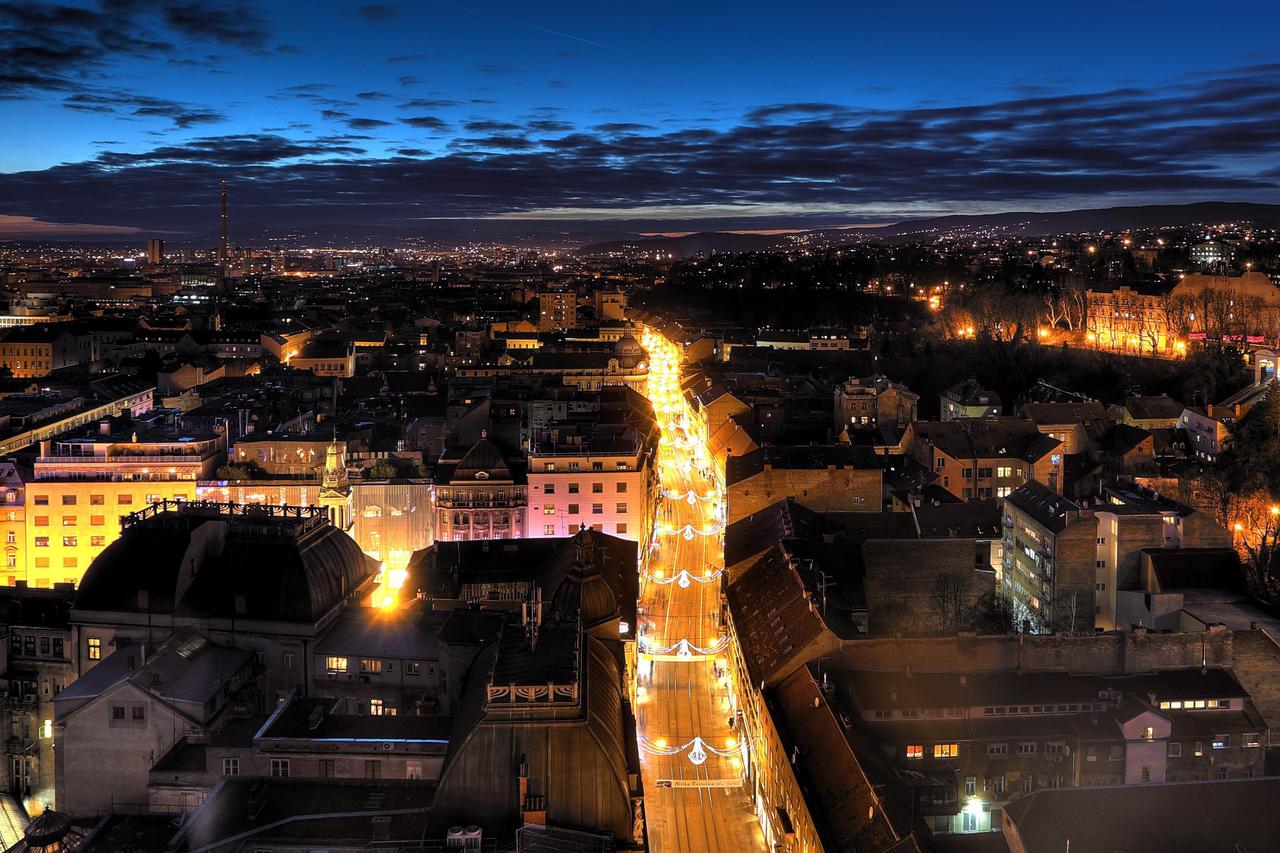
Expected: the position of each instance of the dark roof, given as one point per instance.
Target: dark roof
(804, 456)
(593, 577)
(1179, 817)
(200, 562)
(484, 461)
(766, 527)
(986, 438)
(1045, 506)
(310, 812)
(773, 614)
(1124, 438)
(970, 393)
(1196, 568)
(889, 690)
(1146, 408)
(1065, 412)
(307, 718)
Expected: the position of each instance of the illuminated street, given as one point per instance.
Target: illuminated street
(691, 758)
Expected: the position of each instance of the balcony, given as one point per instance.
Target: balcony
(123, 458)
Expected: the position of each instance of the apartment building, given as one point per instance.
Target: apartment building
(83, 484)
(874, 401)
(1064, 563)
(597, 476)
(985, 457)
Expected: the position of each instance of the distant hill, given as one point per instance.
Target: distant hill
(702, 243)
(1072, 221)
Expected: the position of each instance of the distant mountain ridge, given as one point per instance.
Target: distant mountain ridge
(694, 237)
(1027, 224)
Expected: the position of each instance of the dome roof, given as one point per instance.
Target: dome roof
(628, 345)
(593, 578)
(206, 564)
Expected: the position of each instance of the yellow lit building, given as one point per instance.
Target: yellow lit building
(84, 483)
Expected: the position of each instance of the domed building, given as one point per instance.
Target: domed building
(629, 346)
(263, 577)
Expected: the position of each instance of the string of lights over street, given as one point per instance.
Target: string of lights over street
(693, 757)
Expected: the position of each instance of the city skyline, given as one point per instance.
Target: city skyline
(123, 118)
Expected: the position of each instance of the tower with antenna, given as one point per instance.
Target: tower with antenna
(222, 245)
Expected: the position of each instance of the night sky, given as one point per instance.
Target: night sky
(127, 114)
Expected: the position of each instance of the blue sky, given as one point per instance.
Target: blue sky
(122, 112)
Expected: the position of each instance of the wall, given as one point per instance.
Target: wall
(1102, 654)
(821, 490)
(903, 583)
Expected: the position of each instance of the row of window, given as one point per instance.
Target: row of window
(94, 500)
(574, 488)
(327, 768)
(1115, 752)
(1194, 704)
(573, 509)
(1064, 708)
(336, 664)
(71, 541)
(550, 529)
(26, 645)
(69, 520)
(577, 466)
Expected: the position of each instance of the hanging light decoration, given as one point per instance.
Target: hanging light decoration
(698, 750)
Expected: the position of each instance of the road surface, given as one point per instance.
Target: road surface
(689, 750)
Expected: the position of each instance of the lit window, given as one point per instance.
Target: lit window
(946, 750)
(371, 665)
(335, 664)
(375, 707)
(1221, 741)
(95, 648)
(915, 750)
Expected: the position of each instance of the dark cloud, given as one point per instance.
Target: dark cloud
(366, 123)
(501, 142)
(112, 102)
(68, 49)
(429, 104)
(622, 127)
(378, 12)
(372, 96)
(232, 24)
(545, 125)
(426, 122)
(408, 80)
(1196, 138)
(489, 126)
(248, 150)
(413, 57)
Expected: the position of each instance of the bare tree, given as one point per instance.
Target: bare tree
(947, 602)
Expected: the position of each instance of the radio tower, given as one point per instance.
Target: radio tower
(222, 246)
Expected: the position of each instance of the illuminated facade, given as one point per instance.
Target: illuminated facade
(605, 481)
(481, 495)
(83, 485)
(1129, 318)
